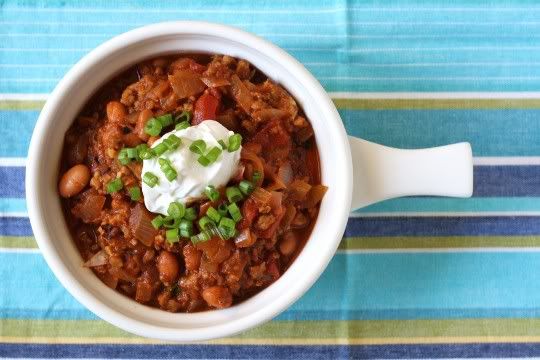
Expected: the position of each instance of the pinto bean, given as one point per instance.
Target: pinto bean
(116, 111)
(288, 243)
(217, 296)
(143, 117)
(168, 268)
(74, 180)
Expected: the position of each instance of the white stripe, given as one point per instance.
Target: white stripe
(365, 95)
(507, 160)
(275, 11)
(12, 161)
(436, 95)
(442, 250)
(21, 214)
(18, 66)
(23, 97)
(420, 78)
(19, 250)
(443, 214)
(412, 49)
(427, 64)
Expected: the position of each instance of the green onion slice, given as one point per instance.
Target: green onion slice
(150, 179)
(213, 154)
(227, 227)
(213, 214)
(256, 176)
(123, 157)
(204, 222)
(165, 120)
(172, 236)
(190, 214)
(203, 160)
(160, 148)
(184, 116)
(212, 193)
(176, 210)
(144, 152)
(171, 222)
(135, 193)
(235, 212)
(181, 126)
(186, 228)
(234, 142)
(157, 222)
(153, 127)
(222, 144)
(201, 237)
(198, 147)
(172, 142)
(233, 194)
(222, 209)
(115, 185)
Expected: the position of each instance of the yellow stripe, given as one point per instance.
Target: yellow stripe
(281, 341)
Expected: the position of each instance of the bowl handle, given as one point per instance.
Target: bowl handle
(381, 172)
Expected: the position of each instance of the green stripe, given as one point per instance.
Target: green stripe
(386, 104)
(25, 242)
(365, 104)
(21, 104)
(443, 242)
(366, 243)
(296, 329)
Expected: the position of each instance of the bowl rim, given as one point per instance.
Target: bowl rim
(35, 208)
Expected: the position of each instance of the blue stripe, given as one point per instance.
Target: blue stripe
(431, 351)
(443, 226)
(392, 286)
(12, 181)
(386, 226)
(16, 131)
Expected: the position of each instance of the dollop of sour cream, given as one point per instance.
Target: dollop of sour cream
(193, 178)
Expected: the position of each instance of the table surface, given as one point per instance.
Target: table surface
(414, 277)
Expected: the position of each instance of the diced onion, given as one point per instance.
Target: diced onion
(98, 259)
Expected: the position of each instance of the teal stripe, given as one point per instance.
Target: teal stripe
(12, 205)
(492, 132)
(382, 285)
(415, 204)
(421, 204)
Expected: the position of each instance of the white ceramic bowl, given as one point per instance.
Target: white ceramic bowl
(74, 90)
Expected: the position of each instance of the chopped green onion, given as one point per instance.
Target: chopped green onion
(181, 126)
(184, 116)
(222, 209)
(203, 160)
(163, 162)
(204, 222)
(134, 193)
(199, 238)
(233, 194)
(171, 174)
(256, 176)
(246, 187)
(144, 152)
(211, 193)
(172, 142)
(172, 235)
(227, 227)
(222, 144)
(153, 127)
(115, 185)
(186, 228)
(165, 120)
(198, 147)
(171, 222)
(235, 212)
(190, 214)
(176, 210)
(132, 153)
(157, 222)
(213, 214)
(213, 154)
(150, 179)
(123, 157)
(234, 142)
(160, 148)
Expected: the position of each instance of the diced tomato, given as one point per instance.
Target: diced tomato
(274, 139)
(205, 108)
(250, 209)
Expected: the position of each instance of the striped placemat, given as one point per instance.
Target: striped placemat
(414, 277)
